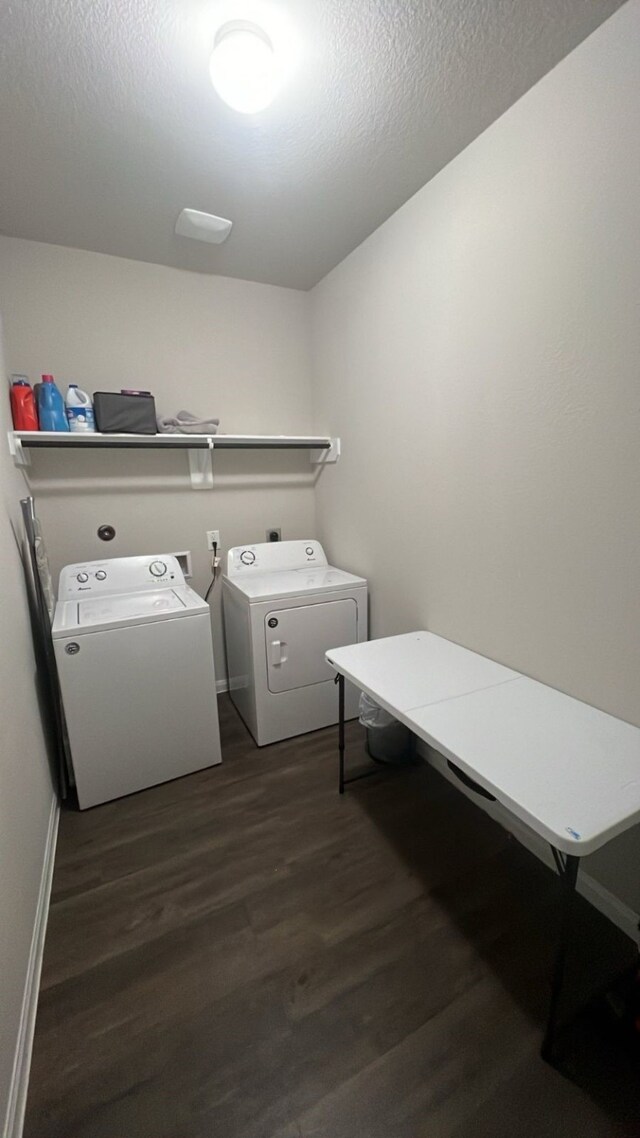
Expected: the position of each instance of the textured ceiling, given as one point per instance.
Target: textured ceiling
(109, 125)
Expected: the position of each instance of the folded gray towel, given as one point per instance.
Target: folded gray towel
(184, 423)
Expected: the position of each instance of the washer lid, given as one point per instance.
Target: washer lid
(97, 614)
(271, 586)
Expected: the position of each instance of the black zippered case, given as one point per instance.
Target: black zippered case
(124, 414)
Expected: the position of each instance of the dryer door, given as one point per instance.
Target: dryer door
(297, 638)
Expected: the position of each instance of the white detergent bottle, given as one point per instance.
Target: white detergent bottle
(79, 410)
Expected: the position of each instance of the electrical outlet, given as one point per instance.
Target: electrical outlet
(274, 533)
(213, 538)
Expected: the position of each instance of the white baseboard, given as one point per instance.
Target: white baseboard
(221, 686)
(617, 911)
(601, 898)
(14, 1121)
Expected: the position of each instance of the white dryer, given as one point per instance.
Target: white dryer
(284, 607)
(134, 654)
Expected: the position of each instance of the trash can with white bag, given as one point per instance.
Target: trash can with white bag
(388, 741)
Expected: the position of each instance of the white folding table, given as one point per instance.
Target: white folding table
(569, 771)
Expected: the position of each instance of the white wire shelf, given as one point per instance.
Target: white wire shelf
(200, 448)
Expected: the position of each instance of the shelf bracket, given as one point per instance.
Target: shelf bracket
(326, 457)
(201, 467)
(21, 456)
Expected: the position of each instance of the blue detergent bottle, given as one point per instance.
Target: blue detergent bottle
(51, 409)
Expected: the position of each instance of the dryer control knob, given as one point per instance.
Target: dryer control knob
(101, 575)
(82, 578)
(157, 568)
(247, 557)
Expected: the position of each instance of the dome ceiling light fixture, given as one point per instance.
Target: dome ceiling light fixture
(243, 67)
(203, 226)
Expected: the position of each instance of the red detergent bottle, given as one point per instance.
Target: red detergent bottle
(23, 404)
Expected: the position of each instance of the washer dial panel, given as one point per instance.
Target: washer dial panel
(120, 575)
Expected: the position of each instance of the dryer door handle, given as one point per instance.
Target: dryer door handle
(277, 654)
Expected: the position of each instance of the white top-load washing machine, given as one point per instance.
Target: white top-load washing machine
(134, 653)
(284, 607)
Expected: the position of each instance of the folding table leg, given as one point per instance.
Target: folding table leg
(340, 683)
(568, 871)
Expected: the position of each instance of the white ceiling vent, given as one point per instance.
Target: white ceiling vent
(203, 226)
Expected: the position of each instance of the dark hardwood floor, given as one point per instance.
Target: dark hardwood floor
(243, 954)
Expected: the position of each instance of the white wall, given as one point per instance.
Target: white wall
(26, 795)
(480, 357)
(212, 345)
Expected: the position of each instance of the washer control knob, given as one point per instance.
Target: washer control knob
(309, 551)
(157, 568)
(101, 575)
(82, 578)
(247, 557)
